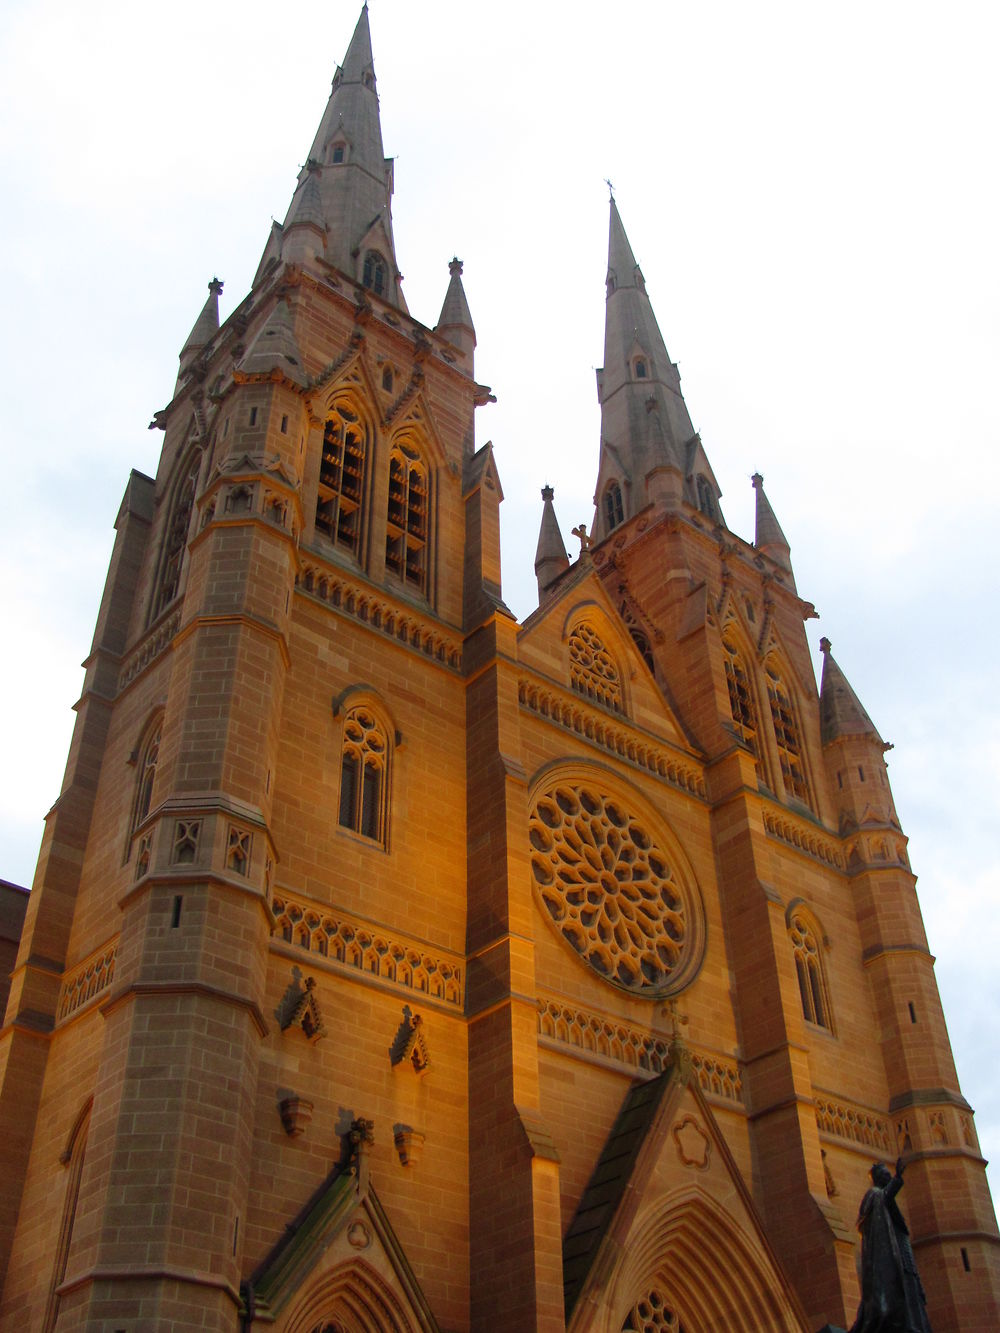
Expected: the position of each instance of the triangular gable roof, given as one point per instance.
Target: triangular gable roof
(478, 468)
(667, 1195)
(320, 1249)
(578, 585)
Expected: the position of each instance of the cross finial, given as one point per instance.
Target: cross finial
(581, 531)
(611, 189)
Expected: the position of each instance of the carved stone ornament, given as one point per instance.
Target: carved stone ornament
(694, 1147)
(409, 1047)
(296, 1113)
(409, 1144)
(299, 1008)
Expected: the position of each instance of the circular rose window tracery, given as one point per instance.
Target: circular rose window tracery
(610, 889)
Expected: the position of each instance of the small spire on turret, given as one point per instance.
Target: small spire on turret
(206, 326)
(840, 710)
(550, 555)
(768, 537)
(274, 348)
(455, 320)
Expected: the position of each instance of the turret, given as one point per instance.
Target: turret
(853, 751)
(550, 554)
(455, 320)
(206, 326)
(768, 537)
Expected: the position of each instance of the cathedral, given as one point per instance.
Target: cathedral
(391, 965)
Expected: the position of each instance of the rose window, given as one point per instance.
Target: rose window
(609, 889)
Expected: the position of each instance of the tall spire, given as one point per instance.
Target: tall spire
(206, 326)
(840, 710)
(346, 183)
(649, 448)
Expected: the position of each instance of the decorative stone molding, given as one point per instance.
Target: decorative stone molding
(159, 639)
(88, 980)
(633, 1048)
(354, 945)
(857, 1124)
(694, 1147)
(339, 591)
(569, 712)
(799, 834)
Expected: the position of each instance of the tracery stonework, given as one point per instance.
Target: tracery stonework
(592, 669)
(610, 889)
(651, 1314)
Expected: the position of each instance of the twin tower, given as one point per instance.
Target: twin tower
(391, 965)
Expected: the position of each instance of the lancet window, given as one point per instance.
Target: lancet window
(342, 478)
(149, 753)
(364, 776)
(614, 512)
(373, 273)
(593, 671)
(406, 519)
(741, 699)
(786, 733)
(176, 536)
(809, 969)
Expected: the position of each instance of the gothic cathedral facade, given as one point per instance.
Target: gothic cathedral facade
(391, 965)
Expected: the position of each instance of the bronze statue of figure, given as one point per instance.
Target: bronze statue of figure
(892, 1299)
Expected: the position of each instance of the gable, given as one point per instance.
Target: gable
(340, 1254)
(667, 1217)
(544, 645)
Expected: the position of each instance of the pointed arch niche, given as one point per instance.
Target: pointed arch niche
(353, 1298)
(145, 756)
(72, 1158)
(708, 1274)
(343, 473)
(173, 546)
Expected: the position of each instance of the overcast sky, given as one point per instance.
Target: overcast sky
(811, 192)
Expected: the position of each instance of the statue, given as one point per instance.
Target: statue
(892, 1299)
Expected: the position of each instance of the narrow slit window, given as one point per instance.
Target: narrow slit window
(614, 511)
(809, 970)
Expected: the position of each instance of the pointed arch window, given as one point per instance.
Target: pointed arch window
(641, 370)
(786, 733)
(342, 478)
(176, 536)
(72, 1158)
(407, 517)
(741, 698)
(707, 502)
(804, 937)
(338, 153)
(614, 511)
(593, 670)
(373, 273)
(148, 756)
(364, 776)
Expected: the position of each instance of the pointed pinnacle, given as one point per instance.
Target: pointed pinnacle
(840, 710)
